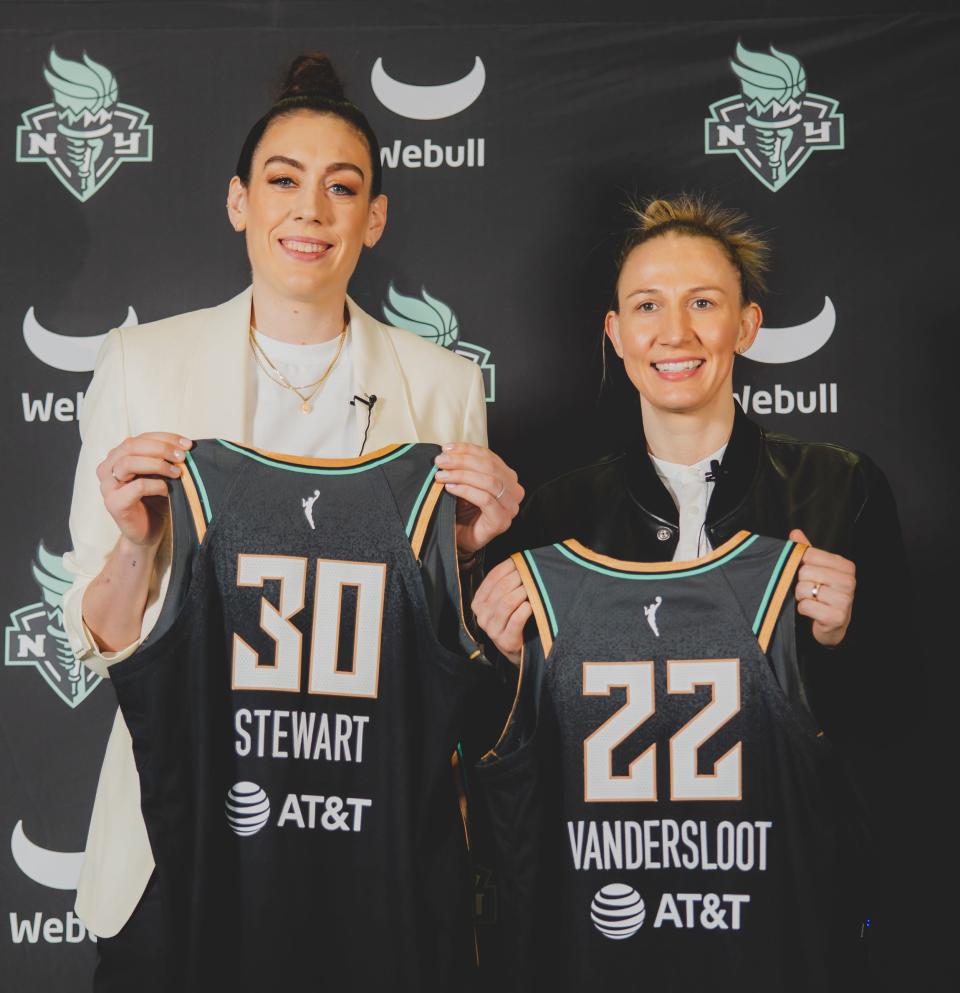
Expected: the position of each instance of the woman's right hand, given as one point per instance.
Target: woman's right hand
(502, 609)
(133, 483)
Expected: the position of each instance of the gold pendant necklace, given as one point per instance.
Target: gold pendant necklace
(276, 376)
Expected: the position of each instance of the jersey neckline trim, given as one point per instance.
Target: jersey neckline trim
(319, 467)
(624, 569)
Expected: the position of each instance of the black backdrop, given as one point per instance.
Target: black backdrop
(578, 109)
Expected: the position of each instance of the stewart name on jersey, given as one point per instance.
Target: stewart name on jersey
(294, 714)
(666, 812)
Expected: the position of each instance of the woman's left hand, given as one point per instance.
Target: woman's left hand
(488, 494)
(825, 587)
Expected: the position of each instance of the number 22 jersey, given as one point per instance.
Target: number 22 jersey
(666, 812)
(293, 718)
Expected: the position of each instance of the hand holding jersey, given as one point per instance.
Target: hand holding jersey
(502, 608)
(487, 491)
(825, 592)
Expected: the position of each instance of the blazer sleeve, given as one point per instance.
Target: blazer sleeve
(475, 411)
(104, 423)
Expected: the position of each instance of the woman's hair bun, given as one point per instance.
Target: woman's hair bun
(312, 75)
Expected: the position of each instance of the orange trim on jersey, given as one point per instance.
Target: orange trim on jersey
(625, 566)
(323, 463)
(461, 796)
(492, 753)
(784, 586)
(193, 500)
(536, 602)
(423, 519)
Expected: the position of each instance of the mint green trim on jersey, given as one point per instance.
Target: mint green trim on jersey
(201, 489)
(774, 579)
(418, 503)
(315, 470)
(541, 586)
(682, 574)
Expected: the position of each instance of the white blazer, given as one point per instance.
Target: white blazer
(189, 374)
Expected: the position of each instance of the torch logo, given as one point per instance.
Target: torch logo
(773, 125)
(85, 134)
(434, 320)
(35, 636)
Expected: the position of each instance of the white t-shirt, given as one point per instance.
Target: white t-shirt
(691, 492)
(329, 429)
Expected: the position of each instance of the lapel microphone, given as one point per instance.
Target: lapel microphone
(716, 471)
(368, 400)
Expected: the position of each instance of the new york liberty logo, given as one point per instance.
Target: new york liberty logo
(434, 320)
(773, 125)
(35, 637)
(85, 134)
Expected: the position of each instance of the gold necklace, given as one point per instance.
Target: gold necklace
(274, 374)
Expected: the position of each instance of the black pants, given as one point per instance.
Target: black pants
(132, 960)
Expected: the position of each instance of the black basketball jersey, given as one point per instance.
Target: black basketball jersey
(667, 813)
(294, 716)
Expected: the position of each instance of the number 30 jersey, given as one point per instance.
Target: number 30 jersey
(293, 718)
(666, 812)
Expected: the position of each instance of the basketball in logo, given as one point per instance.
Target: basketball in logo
(617, 911)
(248, 808)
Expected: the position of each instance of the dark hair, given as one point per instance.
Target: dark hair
(313, 84)
(747, 249)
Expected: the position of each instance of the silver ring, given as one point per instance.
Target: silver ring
(113, 472)
(815, 592)
(503, 487)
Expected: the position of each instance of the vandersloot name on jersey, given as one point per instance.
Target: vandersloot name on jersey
(608, 846)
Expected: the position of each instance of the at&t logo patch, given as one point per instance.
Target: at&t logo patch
(618, 911)
(247, 808)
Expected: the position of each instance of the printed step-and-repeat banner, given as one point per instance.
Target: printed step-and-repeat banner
(507, 154)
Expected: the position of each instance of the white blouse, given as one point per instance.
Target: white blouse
(329, 429)
(691, 492)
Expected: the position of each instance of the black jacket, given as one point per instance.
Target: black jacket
(769, 484)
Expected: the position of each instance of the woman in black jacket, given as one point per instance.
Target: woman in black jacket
(699, 470)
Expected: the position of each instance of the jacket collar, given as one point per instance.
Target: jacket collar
(221, 344)
(740, 463)
(377, 372)
(216, 388)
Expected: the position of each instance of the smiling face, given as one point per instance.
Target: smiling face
(307, 210)
(681, 319)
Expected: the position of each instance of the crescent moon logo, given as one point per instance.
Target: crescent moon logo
(778, 345)
(427, 103)
(57, 870)
(64, 351)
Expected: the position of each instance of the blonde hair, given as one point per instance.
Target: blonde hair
(694, 215)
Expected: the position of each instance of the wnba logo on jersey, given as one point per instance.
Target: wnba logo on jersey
(35, 637)
(435, 321)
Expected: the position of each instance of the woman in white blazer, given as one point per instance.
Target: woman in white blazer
(275, 367)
